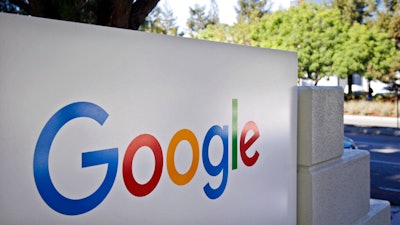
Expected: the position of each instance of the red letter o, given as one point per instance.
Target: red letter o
(131, 184)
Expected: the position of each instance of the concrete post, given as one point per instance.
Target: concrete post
(333, 185)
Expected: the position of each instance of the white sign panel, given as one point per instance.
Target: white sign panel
(108, 126)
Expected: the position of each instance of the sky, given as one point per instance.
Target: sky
(226, 8)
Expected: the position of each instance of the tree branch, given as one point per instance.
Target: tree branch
(139, 11)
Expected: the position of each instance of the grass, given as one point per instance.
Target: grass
(370, 108)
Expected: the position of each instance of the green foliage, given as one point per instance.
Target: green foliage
(391, 5)
(248, 10)
(366, 51)
(394, 28)
(329, 40)
(388, 20)
(313, 31)
(199, 19)
(161, 20)
(355, 10)
(249, 14)
(351, 56)
(326, 44)
(213, 14)
(219, 32)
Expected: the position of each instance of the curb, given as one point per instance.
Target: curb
(372, 121)
(387, 131)
(372, 125)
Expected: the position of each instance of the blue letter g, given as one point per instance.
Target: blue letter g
(41, 173)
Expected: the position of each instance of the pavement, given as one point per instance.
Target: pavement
(375, 126)
(372, 125)
(395, 212)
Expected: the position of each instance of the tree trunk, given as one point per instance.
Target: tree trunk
(370, 91)
(349, 84)
(317, 78)
(120, 13)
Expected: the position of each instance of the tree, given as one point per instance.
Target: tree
(199, 19)
(382, 61)
(117, 13)
(219, 32)
(213, 14)
(161, 20)
(326, 44)
(249, 13)
(355, 10)
(367, 52)
(313, 31)
(247, 10)
(394, 28)
(388, 20)
(391, 5)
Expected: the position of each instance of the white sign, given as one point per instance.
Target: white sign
(109, 126)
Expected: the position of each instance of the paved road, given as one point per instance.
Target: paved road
(381, 137)
(385, 164)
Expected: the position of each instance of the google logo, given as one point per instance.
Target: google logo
(249, 134)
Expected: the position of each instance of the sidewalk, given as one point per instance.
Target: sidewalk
(371, 125)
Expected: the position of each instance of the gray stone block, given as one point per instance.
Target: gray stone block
(334, 192)
(320, 124)
(379, 214)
